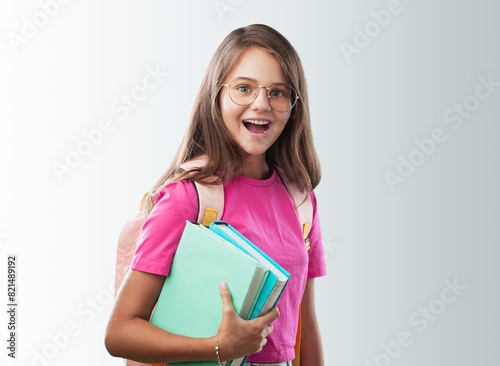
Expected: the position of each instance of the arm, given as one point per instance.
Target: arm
(311, 349)
(130, 334)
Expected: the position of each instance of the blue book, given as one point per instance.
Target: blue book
(278, 277)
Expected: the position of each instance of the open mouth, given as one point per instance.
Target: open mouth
(256, 126)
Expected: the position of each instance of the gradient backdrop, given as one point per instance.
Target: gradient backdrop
(405, 102)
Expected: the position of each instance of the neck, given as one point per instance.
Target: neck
(255, 167)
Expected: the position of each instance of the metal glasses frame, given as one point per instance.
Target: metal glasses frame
(297, 97)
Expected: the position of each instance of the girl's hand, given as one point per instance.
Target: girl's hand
(238, 337)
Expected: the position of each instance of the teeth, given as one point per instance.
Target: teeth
(256, 122)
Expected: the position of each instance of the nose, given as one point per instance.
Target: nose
(261, 102)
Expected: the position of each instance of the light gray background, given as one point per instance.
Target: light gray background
(389, 252)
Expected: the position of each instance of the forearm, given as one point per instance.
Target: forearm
(311, 348)
(130, 335)
(141, 341)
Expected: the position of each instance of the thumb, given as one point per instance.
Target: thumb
(227, 303)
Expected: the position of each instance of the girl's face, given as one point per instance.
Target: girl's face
(254, 127)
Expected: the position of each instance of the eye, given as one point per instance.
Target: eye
(245, 89)
(279, 92)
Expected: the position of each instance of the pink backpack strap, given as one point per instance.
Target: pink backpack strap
(125, 250)
(210, 196)
(303, 207)
(210, 202)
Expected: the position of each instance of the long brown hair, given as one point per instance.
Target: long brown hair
(293, 152)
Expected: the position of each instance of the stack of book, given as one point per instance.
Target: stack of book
(190, 303)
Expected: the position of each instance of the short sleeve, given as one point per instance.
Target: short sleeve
(162, 230)
(317, 266)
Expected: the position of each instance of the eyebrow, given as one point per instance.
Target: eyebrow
(256, 82)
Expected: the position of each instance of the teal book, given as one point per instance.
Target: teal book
(278, 277)
(189, 303)
(276, 281)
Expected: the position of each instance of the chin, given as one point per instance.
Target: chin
(253, 152)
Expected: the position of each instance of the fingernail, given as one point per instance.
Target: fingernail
(222, 285)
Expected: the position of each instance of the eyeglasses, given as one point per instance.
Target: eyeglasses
(243, 91)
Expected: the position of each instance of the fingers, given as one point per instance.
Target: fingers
(246, 336)
(267, 330)
(264, 342)
(271, 316)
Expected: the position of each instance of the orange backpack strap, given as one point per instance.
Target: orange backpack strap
(296, 361)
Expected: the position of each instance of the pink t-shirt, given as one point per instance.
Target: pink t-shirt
(249, 203)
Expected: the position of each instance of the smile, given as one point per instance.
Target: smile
(256, 126)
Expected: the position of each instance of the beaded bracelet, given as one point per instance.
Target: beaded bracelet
(217, 351)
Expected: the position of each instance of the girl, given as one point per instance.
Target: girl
(250, 120)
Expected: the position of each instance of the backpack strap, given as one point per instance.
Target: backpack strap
(303, 207)
(210, 202)
(210, 196)
(125, 250)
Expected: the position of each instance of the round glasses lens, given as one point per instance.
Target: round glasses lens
(282, 97)
(243, 91)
